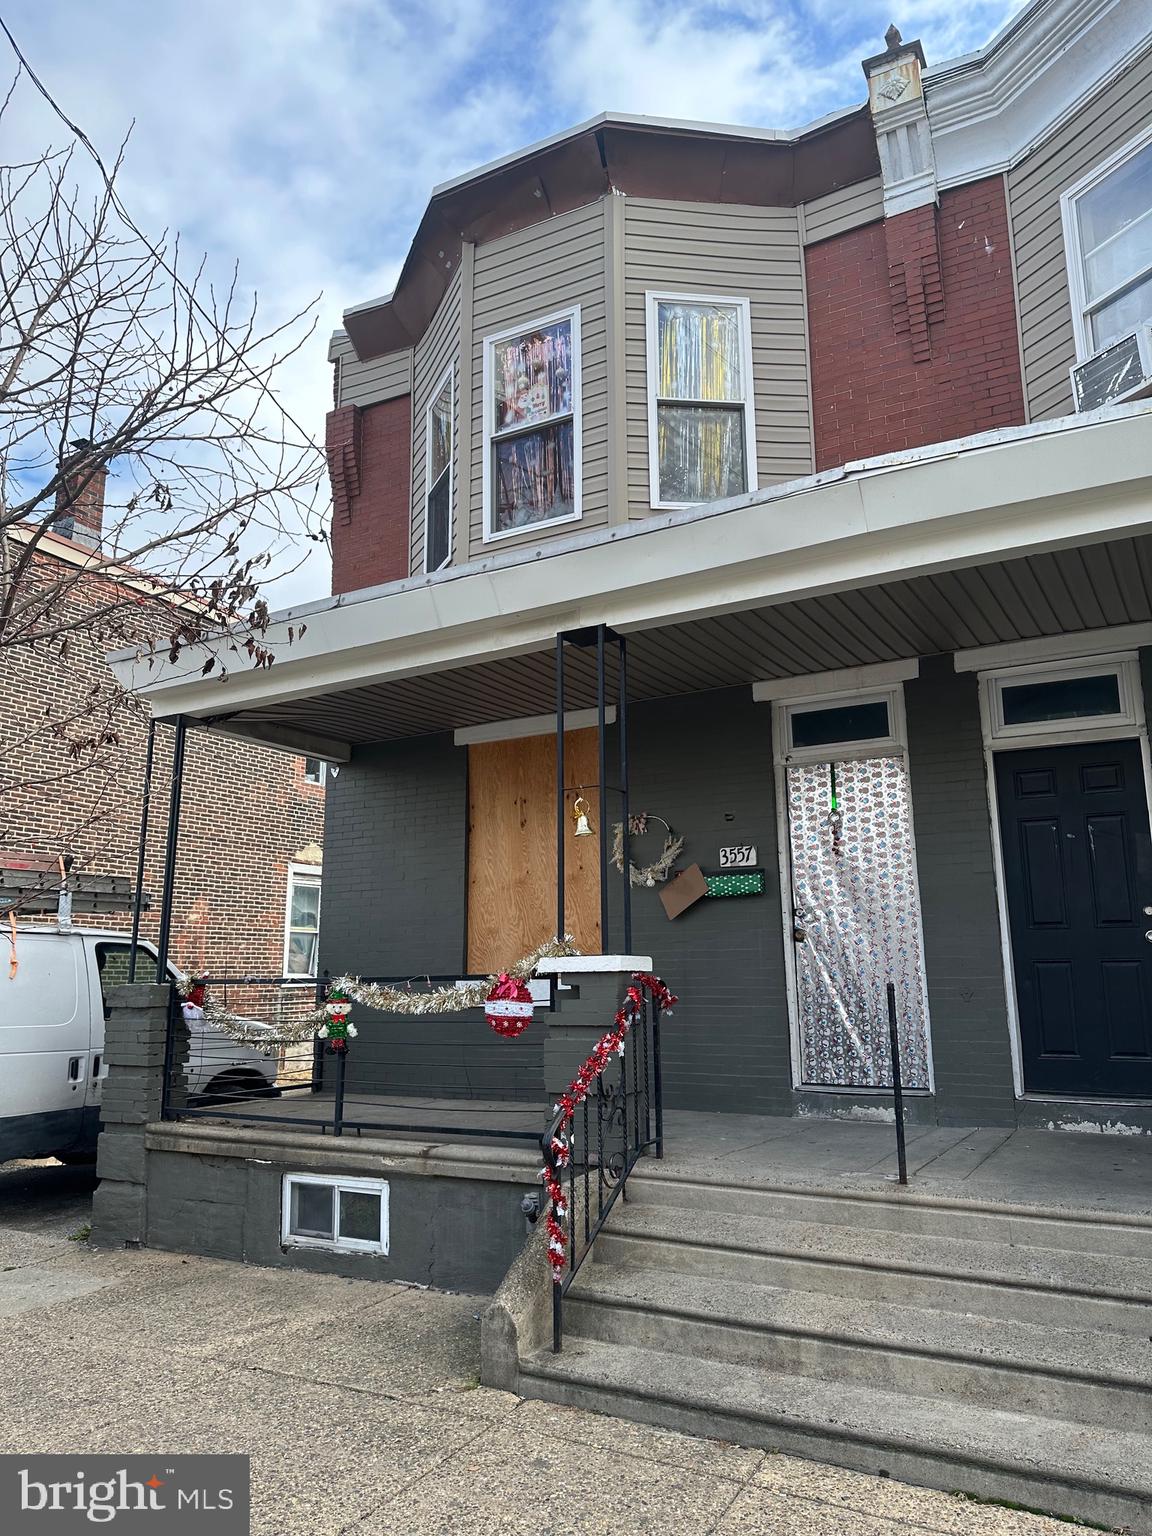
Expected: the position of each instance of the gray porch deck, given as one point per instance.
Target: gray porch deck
(1084, 1171)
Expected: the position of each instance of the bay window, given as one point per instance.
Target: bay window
(532, 425)
(1108, 236)
(701, 431)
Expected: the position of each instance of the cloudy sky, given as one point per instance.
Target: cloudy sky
(302, 137)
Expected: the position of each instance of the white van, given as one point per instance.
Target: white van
(52, 1017)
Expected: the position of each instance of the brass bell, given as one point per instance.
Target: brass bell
(580, 816)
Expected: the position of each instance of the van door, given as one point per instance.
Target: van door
(45, 1047)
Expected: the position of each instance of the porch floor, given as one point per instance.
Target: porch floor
(1085, 1171)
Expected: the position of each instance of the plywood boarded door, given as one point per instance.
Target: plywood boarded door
(512, 849)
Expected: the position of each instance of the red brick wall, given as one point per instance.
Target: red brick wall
(247, 810)
(370, 464)
(913, 328)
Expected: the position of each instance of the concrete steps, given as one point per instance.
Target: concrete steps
(1001, 1351)
(1062, 1467)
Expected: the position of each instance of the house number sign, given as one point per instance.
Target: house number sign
(742, 857)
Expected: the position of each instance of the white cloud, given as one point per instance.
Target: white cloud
(302, 137)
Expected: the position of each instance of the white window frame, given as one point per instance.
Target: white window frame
(323, 775)
(447, 377)
(336, 1243)
(295, 872)
(572, 315)
(1032, 733)
(895, 744)
(1073, 249)
(652, 298)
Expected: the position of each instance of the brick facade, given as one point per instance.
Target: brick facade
(370, 465)
(248, 811)
(912, 328)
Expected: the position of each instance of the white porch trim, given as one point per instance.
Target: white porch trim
(1089, 642)
(843, 680)
(530, 725)
(993, 497)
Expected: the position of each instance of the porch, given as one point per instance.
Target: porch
(915, 587)
(1073, 1170)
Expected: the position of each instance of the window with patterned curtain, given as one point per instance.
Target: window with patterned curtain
(701, 384)
(438, 511)
(531, 415)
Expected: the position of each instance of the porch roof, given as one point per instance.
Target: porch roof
(1039, 530)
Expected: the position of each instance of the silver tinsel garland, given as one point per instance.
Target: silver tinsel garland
(385, 999)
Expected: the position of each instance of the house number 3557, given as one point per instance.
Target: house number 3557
(738, 858)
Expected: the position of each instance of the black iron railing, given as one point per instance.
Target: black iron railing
(590, 1153)
(436, 1074)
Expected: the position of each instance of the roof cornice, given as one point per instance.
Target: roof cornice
(991, 108)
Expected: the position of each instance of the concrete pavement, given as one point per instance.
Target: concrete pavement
(359, 1406)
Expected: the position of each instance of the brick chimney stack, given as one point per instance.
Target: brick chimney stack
(80, 498)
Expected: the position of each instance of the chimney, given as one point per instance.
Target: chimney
(80, 497)
(900, 118)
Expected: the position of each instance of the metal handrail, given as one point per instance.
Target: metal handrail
(642, 1132)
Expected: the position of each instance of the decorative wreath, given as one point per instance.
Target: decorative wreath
(651, 874)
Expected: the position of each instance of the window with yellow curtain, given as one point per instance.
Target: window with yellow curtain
(700, 394)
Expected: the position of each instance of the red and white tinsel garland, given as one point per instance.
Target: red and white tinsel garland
(609, 1045)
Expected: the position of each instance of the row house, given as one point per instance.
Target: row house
(769, 515)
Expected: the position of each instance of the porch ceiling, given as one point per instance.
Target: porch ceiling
(1064, 591)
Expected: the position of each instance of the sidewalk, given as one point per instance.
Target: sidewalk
(359, 1406)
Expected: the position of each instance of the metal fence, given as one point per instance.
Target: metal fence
(442, 1074)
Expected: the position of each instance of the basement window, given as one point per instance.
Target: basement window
(701, 433)
(532, 425)
(335, 1213)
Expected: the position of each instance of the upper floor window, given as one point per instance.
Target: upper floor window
(438, 479)
(701, 432)
(1108, 230)
(302, 920)
(315, 770)
(532, 425)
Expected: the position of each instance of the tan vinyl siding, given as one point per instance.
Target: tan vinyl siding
(437, 348)
(1098, 130)
(847, 208)
(517, 279)
(380, 378)
(747, 252)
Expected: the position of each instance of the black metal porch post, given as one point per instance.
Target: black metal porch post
(622, 733)
(602, 775)
(165, 934)
(560, 801)
(141, 854)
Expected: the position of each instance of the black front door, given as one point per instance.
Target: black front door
(1078, 878)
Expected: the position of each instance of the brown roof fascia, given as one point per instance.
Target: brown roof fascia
(689, 165)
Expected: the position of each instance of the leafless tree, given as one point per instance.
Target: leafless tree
(125, 372)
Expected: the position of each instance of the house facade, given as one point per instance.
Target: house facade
(843, 431)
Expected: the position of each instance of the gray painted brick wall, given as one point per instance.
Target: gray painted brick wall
(962, 949)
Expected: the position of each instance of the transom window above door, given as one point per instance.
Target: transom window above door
(701, 432)
(1108, 232)
(532, 425)
(1066, 698)
(842, 726)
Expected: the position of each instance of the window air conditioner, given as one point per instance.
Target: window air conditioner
(1120, 371)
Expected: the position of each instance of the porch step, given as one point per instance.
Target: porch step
(1059, 1466)
(906, 1211)
(1066, 1288)
(1077, 1374)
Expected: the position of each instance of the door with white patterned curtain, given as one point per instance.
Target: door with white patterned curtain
(856, 910)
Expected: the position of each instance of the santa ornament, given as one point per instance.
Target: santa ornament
(337, 1029)
(509, 1006)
